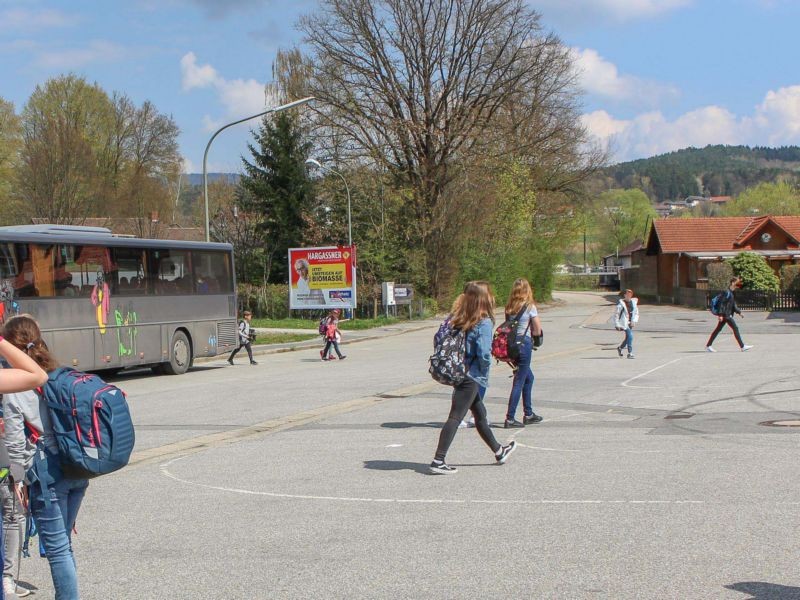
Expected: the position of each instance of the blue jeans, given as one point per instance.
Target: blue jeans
(628, 341)
(523, 381)
(55, 522)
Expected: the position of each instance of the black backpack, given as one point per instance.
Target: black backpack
(448, 361)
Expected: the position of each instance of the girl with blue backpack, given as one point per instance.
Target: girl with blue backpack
(22, 373)
(472, 314)
(54, 498)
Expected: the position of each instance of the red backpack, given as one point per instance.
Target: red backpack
(505, 344)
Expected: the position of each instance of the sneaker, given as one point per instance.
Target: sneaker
(322, 354)
(12, 590)
(230, 361)
(710, 349)
(534, 418)
(746, 347)
(325, 358)
(512, 423)
(505, 452)
(342, 357)
(619, 351)
(463, 425)
(252, 362)
(631, 356)
(470, 422)
(442, 468)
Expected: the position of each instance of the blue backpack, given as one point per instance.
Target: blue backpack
(91, 423)
(716, 304)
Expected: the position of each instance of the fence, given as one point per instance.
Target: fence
(756, 300)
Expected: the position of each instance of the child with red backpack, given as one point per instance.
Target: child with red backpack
(332, 336)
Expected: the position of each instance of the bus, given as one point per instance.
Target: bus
(107, 302)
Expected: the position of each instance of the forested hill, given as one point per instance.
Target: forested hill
(710, 171)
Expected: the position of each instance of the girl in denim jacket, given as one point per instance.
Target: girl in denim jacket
(472, 314)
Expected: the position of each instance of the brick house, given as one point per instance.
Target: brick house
(675, 259)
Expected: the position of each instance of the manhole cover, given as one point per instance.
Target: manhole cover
(786, 423)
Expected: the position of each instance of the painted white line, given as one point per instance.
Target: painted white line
(165, 471)
(627, 382)
(395, 446)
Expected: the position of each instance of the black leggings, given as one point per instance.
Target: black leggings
(732, 324)
(465, 397)
(247, 347)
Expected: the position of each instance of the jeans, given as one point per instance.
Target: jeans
(13, 530)
(628, 341)
(247, 347)
(55, 522)
(523, 381)
(466, 396)
(732, 324)
(328, 345)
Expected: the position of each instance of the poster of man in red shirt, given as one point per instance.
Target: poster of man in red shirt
(322, 277)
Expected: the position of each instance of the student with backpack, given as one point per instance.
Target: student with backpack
(626, 315)
(56, 449)
(332, 336)
(22, 373)
(470, 324)
(244, 338)
(521, 308)
(723, 306)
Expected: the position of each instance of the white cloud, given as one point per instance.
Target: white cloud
(97, 51)
(774, 121)
(602, 78)
(240, 97)
(615, 10)
(19, 19)
(188, 166)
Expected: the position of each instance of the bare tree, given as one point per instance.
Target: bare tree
(421, 87)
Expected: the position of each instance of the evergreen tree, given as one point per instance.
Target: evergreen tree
(278, 189)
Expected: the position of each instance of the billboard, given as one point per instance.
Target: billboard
(322, 277)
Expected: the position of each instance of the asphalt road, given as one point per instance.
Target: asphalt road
(649, 478)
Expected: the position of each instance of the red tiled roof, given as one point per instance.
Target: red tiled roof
(715, 233)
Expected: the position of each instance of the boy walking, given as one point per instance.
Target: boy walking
(726, 307)
(626, 315)
(244, 338)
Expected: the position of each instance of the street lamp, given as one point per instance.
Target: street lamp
(316, 163)
(218, 131)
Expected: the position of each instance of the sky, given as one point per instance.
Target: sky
(657, 75)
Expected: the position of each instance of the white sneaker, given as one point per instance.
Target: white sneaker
(746, 347)
(710, 349)
(11, 590)
(463, 425)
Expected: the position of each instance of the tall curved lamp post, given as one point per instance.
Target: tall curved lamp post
(218, 131)
(316, 163)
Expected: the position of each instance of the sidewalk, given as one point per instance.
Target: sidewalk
(350, 337)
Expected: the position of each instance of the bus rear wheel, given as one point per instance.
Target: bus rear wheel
(180, 355)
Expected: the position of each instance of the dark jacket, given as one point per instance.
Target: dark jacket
(728, 304)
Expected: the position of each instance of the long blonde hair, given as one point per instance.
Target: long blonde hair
(521, 295)
(474, 304)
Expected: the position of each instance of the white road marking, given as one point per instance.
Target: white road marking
(395, 446)
(627, 382)
(165, 471)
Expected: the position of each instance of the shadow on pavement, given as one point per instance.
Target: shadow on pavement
(396, 465)
(407, 425)
(761, 590)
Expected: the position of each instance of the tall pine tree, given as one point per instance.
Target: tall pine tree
(279, 190)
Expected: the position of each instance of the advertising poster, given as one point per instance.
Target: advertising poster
(322, 277)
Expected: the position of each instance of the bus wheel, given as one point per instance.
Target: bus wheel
(180, 355)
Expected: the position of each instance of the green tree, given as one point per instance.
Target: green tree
(620, 217)
(278, 189)
(10, 142)
(755, 272)
(766, 199)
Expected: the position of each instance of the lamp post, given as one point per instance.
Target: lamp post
(218, 131)
(317, 164)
